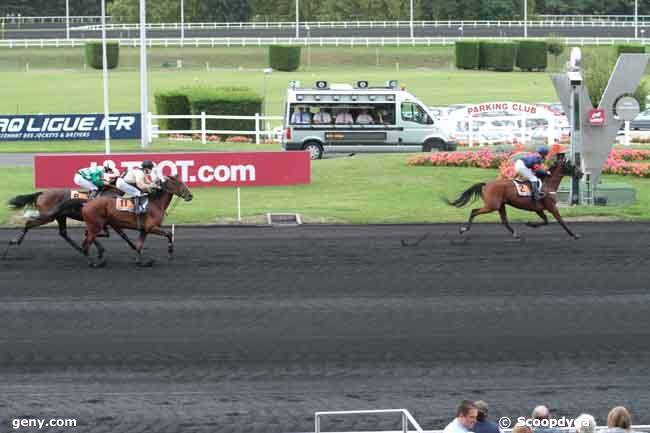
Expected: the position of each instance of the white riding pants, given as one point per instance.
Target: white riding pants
(126, 187)
(522, 170)
(84, 183)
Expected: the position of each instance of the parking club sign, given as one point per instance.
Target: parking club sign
(46, 127)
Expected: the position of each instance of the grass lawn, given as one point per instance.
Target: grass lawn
(359, 189)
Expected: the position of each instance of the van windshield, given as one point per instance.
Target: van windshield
(341, 114)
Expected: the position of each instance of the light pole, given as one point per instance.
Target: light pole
(67, 19)
(297, 19)
(411, 22)
(308, 46)
(182, 23)
(636, 19)
(107, 133)
(525, 18)
(267, 73)
(144, 108)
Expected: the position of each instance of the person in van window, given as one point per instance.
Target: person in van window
(364, 118)
(301, 116)
(344, 117)
(323, 116)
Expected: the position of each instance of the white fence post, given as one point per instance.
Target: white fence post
(203, 128)
(257, 128)
(149, 121)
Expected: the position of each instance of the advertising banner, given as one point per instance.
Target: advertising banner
(194, 169)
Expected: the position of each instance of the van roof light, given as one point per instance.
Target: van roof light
(392, 84)
(361, 84)
(322, 85)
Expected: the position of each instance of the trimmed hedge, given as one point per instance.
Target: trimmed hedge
(93, 51)
(233, 101)
(284, 58)
(629, 49)
(499, 56)
(532, 55)
(173, 102)
(467, 55)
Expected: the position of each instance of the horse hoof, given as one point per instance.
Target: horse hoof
(462, 229)
(145, 263)
(516, 236)
(576, 237)
(97, 265)
(13, 242)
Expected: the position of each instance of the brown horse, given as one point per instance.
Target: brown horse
(102, 212)
(46, 205)
(499, 193)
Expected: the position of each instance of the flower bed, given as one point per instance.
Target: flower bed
(620, 161)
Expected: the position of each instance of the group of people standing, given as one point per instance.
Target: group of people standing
(341, 116)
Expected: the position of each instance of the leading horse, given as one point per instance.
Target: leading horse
(499, 193)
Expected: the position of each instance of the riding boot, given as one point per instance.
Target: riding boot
(537, 193)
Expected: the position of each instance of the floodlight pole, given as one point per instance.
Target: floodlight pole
(182, 23)
(107, 132)
(144, 109)
(297, 19)
(411, 22)
(67, 19)
(525, 18)
(636, 19)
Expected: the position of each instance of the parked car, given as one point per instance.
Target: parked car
(641, 122)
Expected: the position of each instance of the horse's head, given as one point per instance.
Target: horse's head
(566, 167)
(174, 185)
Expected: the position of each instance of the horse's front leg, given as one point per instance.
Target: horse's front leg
(556, 214)
(544, 222)
(63, 232)
(170, 239)
(139, 246)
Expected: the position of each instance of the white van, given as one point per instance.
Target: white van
(347, 119)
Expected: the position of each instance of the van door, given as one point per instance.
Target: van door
(416, 124)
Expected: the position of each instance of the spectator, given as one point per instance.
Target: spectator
(483, 425)
(301, 116)
(344, 117)
(585, 423)
(542, 414)
(619, 420)
(465, 418)
(323, 116)
(522, 428)
(364, 118)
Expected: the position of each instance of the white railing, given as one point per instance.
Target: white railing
(591, 17)
(61, 19)
(258, 132)
(406, 417)
(313, 41)
(557, 21)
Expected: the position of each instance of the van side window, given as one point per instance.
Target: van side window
(413, 113)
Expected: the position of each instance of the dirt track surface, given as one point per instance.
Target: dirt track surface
(254, 329)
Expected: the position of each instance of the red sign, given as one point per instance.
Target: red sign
(195, 169)
(596, 117)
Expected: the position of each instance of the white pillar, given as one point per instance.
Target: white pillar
(144, 102)
(107, 133)
(411, 22)
(182, 23)
(525, 18)
(636, 19)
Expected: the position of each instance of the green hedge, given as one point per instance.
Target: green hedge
(467, 55)
(629, 49)
(284, 58)
(93, 52)
(173, 102)
(499, 56)
(234, 101)
(532, 55)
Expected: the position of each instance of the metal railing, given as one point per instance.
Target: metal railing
(51, 19)
(406, 417)
(258, 132)
(313, 41)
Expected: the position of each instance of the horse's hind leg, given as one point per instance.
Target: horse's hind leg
(504, 219)
(473, 214)
(63, 232)
(123, 235)
(544, 222)
(91, 238)
(30, 224)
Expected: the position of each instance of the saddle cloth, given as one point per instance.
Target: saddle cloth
(82, 195)
(523, 187)
(128, 205)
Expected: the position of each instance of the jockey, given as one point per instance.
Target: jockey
(530, 167)
(138, 181)
(95, 177)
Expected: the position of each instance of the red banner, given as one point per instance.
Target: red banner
(195, 169)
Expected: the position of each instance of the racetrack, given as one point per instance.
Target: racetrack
(252, 329)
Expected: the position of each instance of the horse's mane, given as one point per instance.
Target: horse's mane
(158, 192)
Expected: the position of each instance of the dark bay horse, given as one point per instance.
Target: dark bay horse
(46, 204)
(499, 193)
(102, 212)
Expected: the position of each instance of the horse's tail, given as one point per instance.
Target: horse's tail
(470, 194)
(68, 207)
(20, 201)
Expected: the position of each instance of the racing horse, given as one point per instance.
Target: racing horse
(103, 212)
(46, 204)
(499, 193)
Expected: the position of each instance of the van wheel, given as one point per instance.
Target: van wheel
(433, 144)
(315, 149)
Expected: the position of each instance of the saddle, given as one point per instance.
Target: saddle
(135, 205)
(78, 195)
(523, 187)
